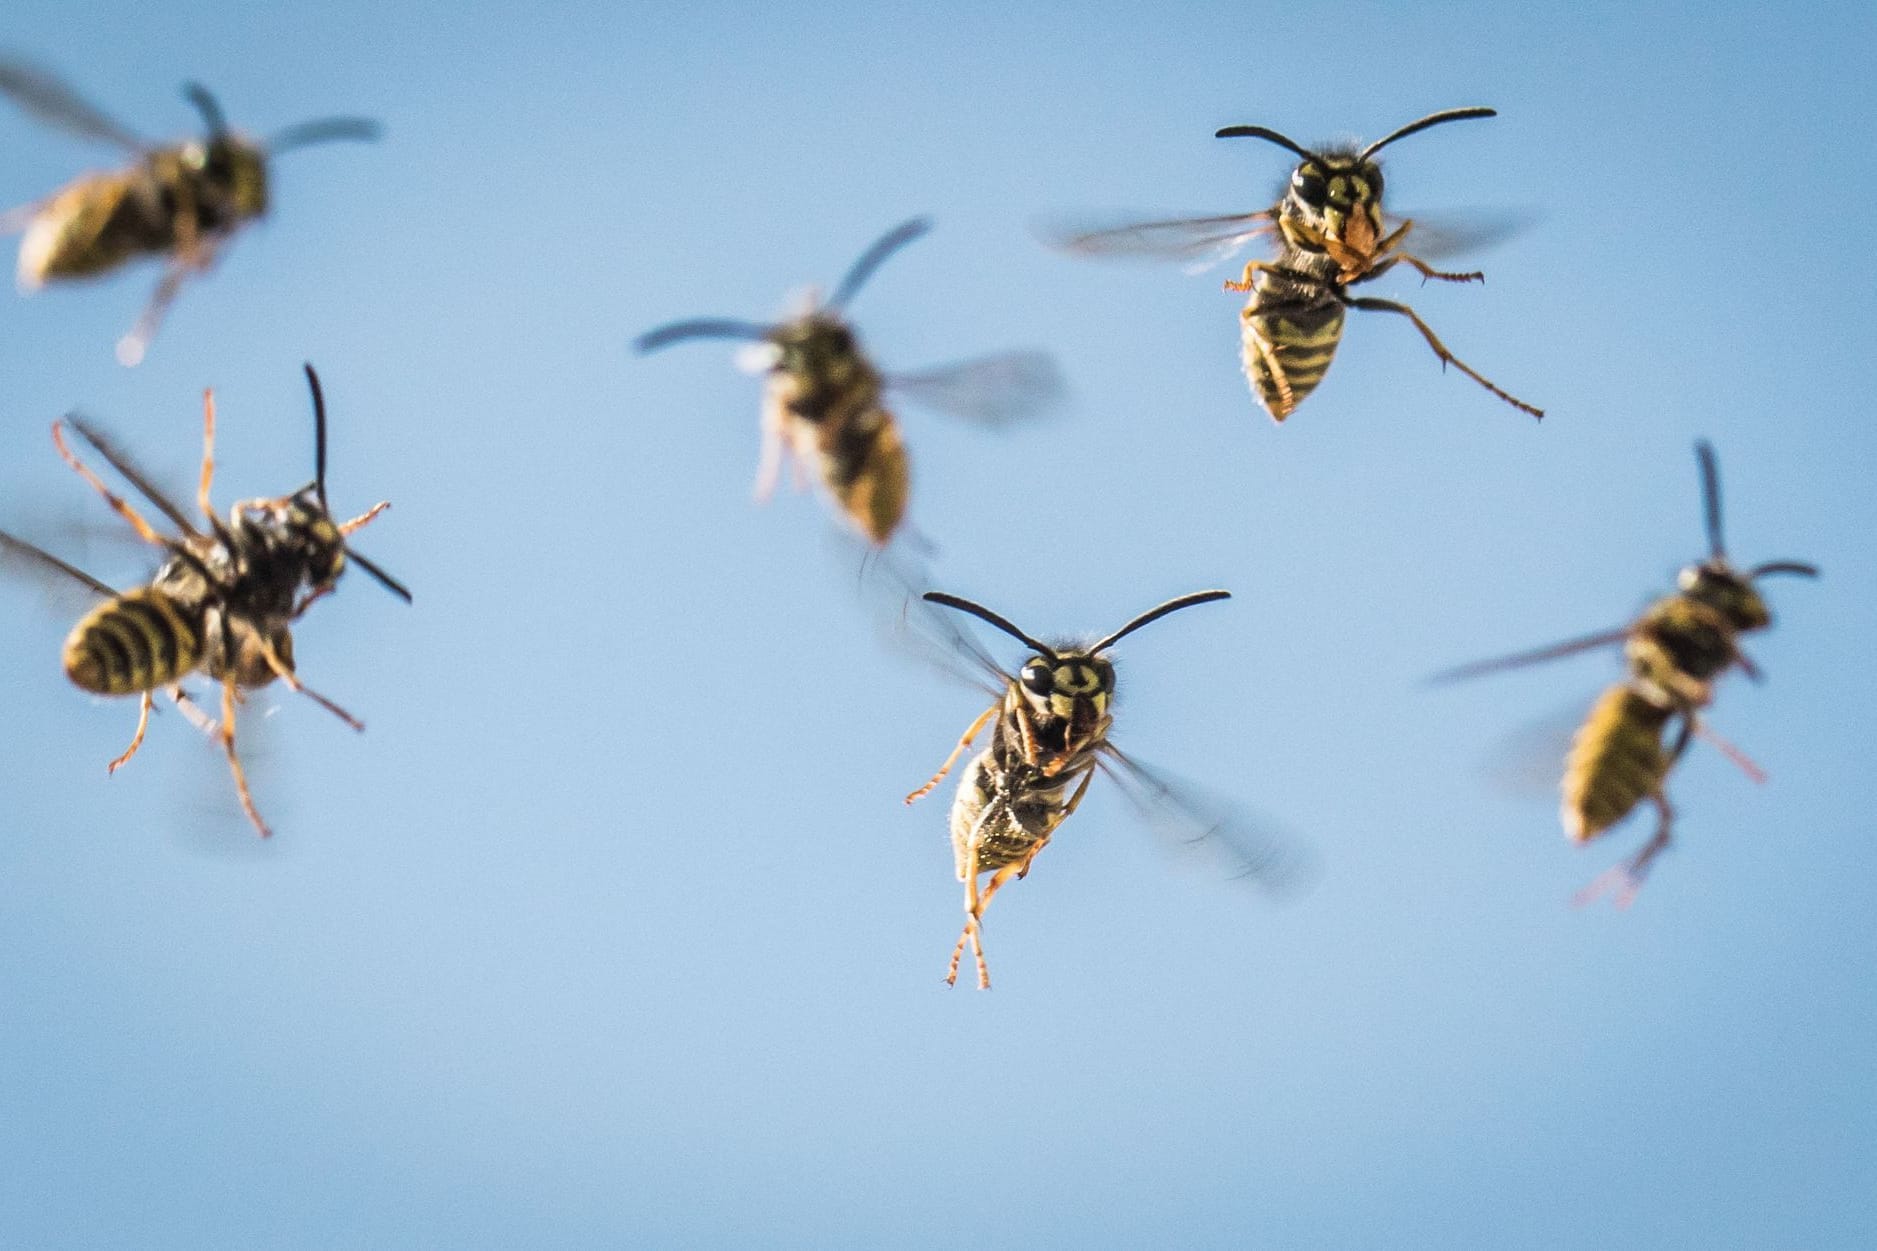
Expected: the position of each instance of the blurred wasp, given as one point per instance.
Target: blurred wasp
(221, 603)
(184, 201)
(1049, 735)
(1638, 729)
(824, 402)
(1331, 234)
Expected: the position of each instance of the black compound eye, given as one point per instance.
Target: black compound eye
(1309, 185)
(1037, 678)
(1105, 673)
(1373, 176)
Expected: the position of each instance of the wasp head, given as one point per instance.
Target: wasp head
(1068, 686)
(1728, 591)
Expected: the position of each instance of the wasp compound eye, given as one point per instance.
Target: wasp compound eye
(1038, 678)
(1310, 186)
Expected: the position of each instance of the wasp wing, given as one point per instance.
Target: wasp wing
(1197, 242)
(1437, 236)
(1191, 818)
(988, 390)
(45, 96)
(35, 561)
(892, 582)
(1519, 660)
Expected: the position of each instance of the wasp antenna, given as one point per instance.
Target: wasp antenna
(206, 105)
(1804, 569)
(1711, 497)
(385, 580)
(984, 614)
(1432, 119)
(325, 130)
(319, 433)
(705, 328)
(1262, 132)
(1154, 614)
(876, 255)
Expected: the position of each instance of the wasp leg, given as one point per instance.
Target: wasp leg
(1428, 271)
(1440, 349)
(1267, 352)
(1625, 880)
(117, 502)
(226, 732)
(976, 728)
(207, 479)
(364, 518)
(970, 931)
(133, 345)
(1252, 267)
(191, 712)
(1740, 759)
(136, 740)
(284, 672)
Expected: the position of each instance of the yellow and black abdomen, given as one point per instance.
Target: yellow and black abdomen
(1616, 761)
(1289, 335)
(92, 226)
(137, 642)
(1005, 814)
(863, 461)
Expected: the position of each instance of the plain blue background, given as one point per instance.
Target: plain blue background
(613, 929)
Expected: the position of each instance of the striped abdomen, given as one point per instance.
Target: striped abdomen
(1289, 335)
(137, 642)
(1007, 814)
(1616, 761)
(92, 226)
(864, 464)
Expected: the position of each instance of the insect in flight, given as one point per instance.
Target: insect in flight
(221, 603)
(1331, 234)
(1049, 735)
(182, 201)
(824, 404)
(1638, 729)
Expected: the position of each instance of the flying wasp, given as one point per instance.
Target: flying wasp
(221, 603)
(182, 201)
(1049, 735)
(1639, 728)
(1331, 234)
(824, 404)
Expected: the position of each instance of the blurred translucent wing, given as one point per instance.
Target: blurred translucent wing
(1199, 242)
(39, 563)
(47, 98)
(1437, 236)
(988, 390)
(1528, 762)
(1192, 819)
(18, 217)
(1557, 651)
(892, 582)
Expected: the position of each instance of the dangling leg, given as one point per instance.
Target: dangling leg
(769, 469)
(136, 740)
(975, 925)
(1244, 283)
(285, 673)
(117, 502)
(976, 727)
(192, 712)
(1741, 760)
(1440, 349)
(1267, 352)
(1626, 879)
(971, 912)
(208, 456)
(132, 346)
(227, 735)
(1428, 271)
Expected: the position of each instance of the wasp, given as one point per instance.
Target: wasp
(824, 404)
(1331, 234)
(222, 602)
(1640, 727)
(181, 201)
(1048, 737)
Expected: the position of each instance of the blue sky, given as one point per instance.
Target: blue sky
(612, 928)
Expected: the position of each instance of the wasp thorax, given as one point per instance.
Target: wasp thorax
(1727, 592)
